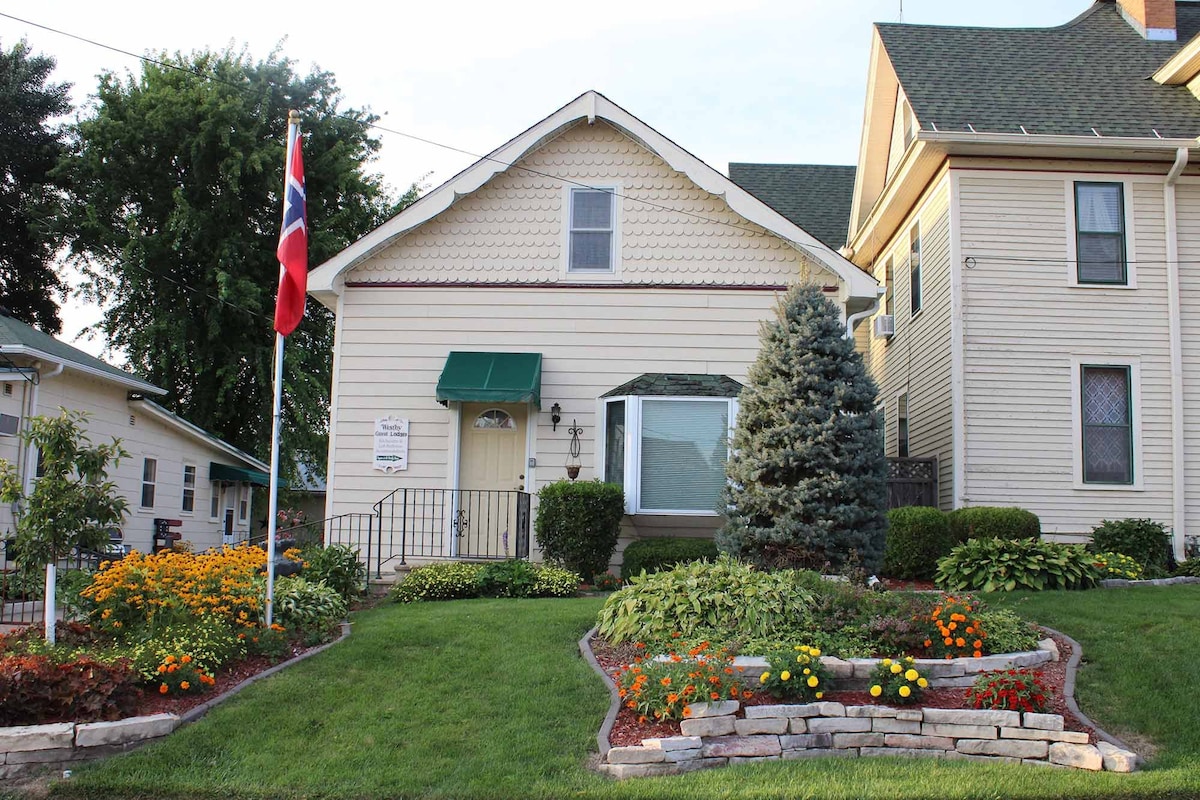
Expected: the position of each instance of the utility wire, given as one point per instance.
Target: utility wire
(414, 137)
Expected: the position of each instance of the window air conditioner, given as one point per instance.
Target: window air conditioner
(885, 325)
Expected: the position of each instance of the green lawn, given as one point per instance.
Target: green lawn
(489, 698)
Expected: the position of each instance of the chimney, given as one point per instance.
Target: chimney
(1153, 19)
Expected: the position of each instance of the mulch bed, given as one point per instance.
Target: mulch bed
(628, 731)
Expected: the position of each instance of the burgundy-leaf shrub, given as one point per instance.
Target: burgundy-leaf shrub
(35, 689)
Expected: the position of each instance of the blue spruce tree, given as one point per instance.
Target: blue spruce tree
(807, 475)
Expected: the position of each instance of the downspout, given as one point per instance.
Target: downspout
(853, 320)
(31, 454)
(1175, 336)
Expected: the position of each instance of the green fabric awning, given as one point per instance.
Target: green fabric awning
(225, 472)
(491, 378)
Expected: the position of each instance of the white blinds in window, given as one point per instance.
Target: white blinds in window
(684, 448)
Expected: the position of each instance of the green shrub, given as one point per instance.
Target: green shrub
(993, 522)
(991, 565)
(448, 580)
(897, 681)
(724, 594)
(1142, 539)
(552, 581)
(663, 690)
(917, 537)
(511, 578)
(338, 565)
(1006, 632)
(796, 674)
(209, 640)
(578, 523)
(1117, 565)
(301, 604)
(663, 552)
(1188, 569)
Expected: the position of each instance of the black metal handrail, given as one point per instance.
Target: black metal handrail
(476, 524)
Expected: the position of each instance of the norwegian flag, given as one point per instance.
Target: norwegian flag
(293, 248)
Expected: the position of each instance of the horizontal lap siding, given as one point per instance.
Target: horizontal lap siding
(1187, 199)
(389, 363)
(917, 359)
(1023, 324)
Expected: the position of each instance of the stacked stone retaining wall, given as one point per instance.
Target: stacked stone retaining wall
(712, 736)
(26, 748)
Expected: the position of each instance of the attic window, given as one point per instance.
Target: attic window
(592, 230)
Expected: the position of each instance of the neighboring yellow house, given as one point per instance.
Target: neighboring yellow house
(175, 471)
(589, 281)
(1030, 200)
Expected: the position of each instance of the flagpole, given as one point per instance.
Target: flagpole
(277, 412)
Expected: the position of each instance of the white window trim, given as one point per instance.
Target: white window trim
(633, 449)
(1072, 234)
(591, 276)
(141, 483)
(183, 468)
(243, 493)
(916, 226)
(1134, 364)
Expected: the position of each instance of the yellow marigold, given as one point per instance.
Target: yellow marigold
(905, 691)
(911, 675)
(876, 690)
(766, 676)
(819, 695)
(922, 683)
(813, 680)
(896, 669)
(785, 675)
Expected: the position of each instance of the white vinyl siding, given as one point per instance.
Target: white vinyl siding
(1026, 329)
(916, 361)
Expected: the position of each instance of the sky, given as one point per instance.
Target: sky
(772, 81)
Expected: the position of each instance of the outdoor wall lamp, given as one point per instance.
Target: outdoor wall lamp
(555, 416)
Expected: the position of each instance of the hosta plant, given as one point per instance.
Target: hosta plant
(994, 565)
(796, 674)
(1005, 632)
(339, 566)
(300, 604)
(1009, 690)
(897, 680)
(658, 690)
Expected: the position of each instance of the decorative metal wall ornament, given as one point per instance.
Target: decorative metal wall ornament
(573, 464)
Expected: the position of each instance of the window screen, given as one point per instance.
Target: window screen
(684, 449)
(591, 230)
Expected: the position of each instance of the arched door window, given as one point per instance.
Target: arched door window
(495, 419)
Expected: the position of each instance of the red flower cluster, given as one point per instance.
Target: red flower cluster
(1010, 690)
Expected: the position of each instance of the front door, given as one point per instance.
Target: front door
(491, 473)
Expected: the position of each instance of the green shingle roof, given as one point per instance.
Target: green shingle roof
(659, 384)
(15, 334)
(815, 197)
(1093, 72)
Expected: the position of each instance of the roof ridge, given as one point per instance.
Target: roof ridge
(1087, 12)
(789, 164)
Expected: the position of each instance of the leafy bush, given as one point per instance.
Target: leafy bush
(796, 674)
(606, 582)
(917, 537)
(338, 565)
(897, 681)
(35, 689)
(303, 605)
(956, 629)
(663, 552)
(725, 594)
(898, 622)
(578, 524)
(552, 581)
(1009, 690)
(1006, 632)
(1117, 565)
(1142, 539)
(511, 578)
(662, 690)
(69, 585)
(993, 522)
(450, 580)
(1189, 568)
(140, 594)
(992, 565)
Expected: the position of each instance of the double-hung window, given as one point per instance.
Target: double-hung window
(668, 452)
(1100, 247)
(188, 504)
(592, 229)
(149, 481)
(1107, 424)
(914, 269)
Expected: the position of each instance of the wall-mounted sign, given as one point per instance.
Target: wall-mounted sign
(391, 444)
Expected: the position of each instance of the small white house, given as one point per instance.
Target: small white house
(175, 471)
(587, 296)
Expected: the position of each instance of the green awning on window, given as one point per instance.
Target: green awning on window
(225, 472)
(491, 378)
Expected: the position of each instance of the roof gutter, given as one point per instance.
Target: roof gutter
(31, 449)
(41, 355)
(1056, 140)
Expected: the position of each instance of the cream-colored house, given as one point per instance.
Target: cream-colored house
(588, 294)
(1030, 201)
(175, 471)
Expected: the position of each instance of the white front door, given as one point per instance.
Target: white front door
(491, 472)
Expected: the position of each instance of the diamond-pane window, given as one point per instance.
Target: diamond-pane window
(1107, 426)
